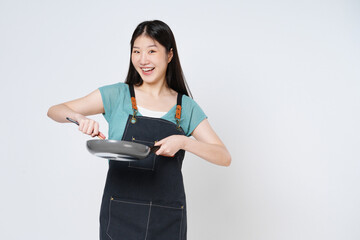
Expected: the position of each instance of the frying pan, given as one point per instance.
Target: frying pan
(118, 150)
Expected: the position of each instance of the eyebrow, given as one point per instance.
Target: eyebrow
(148, 46)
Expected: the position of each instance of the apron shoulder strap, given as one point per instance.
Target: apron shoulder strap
(132, 94)
(178, 109)
(133, 103)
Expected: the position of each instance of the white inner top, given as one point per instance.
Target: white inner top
(150, 113)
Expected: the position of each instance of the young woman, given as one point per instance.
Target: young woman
(146, 199)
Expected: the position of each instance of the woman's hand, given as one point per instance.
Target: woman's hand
(169, 146)
(87, 125)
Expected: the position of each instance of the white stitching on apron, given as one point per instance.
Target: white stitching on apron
(107, 229)
(156, 205)
(147, 227)
(147, 204)
(182, 214)
(154, 159)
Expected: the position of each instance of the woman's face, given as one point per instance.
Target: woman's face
(150, 59)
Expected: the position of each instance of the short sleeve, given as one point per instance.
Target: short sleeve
(110, 95)
(193, 115)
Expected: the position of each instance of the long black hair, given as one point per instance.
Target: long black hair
(162, 33)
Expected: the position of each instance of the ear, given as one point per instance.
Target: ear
(170, 55)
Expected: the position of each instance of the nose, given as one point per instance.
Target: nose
(143, 58)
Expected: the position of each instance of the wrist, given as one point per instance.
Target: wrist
(185, 142)
(78, 117)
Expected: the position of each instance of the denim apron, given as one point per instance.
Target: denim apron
(145, 200)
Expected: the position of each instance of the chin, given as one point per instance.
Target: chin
(149, 81)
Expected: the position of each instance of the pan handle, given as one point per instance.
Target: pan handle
(100, 135)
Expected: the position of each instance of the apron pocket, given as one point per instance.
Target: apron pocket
(147, 163)
(165, 222)
(127, 219)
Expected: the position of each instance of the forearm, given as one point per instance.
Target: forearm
(214, 153)
(59, 113)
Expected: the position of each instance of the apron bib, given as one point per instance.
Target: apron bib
(145, 200)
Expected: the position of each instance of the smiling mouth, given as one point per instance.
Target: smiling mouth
(147, 69)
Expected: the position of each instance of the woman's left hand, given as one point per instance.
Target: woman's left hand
(169, 146)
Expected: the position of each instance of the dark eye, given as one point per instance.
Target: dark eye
(135, 51)
(152, 51)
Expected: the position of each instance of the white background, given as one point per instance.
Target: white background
(279, 81)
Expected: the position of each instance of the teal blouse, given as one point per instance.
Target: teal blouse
(117, 105)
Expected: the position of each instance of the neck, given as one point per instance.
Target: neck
(155, 89)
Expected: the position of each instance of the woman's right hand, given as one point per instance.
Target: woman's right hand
(87, 125)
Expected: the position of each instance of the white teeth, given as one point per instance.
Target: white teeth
(147, 69)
